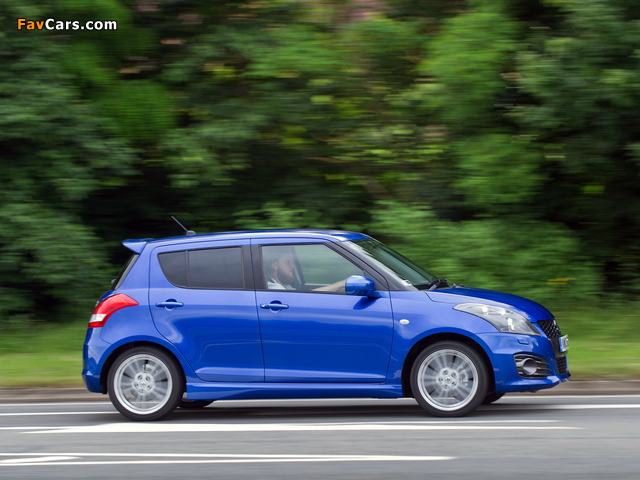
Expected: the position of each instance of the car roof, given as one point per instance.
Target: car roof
(137, 245)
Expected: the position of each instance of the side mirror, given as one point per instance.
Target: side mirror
(362, 286)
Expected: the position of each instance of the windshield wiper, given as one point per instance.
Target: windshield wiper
(436, 283)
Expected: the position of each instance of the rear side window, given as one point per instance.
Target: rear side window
(214, 268)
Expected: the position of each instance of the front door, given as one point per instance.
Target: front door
(311, 330)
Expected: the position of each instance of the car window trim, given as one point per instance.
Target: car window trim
(246, 279)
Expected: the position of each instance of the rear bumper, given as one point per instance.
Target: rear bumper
(93, 352)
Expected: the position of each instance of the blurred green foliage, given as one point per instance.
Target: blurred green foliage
(494, 142)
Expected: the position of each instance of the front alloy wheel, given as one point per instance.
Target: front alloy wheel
(449, 379)
(145, 383)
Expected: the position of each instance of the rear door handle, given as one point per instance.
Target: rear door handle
(170, 304)
(274, 306)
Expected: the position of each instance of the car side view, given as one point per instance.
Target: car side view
(307, 314)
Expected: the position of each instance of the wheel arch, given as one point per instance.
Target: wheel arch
(439, 337)
(108, 364)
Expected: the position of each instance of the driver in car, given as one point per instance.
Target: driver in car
(281, 273)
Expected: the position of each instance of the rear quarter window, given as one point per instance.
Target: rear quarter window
(174, 267)
(117, 282)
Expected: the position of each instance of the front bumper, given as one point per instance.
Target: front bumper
(502, 351)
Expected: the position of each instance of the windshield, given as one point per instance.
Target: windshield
(380, 254)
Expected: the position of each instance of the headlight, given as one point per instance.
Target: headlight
(505, 320)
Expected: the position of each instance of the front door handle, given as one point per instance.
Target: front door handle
(274, 306)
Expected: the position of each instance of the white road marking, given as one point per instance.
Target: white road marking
(540, 396)
(173, 459)
(501, 405)
(29, 428)
(442, 423)
(154, 428)
(51, 404)
(38, 460)
(506, 406)
(46, 414)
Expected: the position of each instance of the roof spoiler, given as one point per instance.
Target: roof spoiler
(136, 245)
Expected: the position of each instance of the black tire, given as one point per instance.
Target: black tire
(192, 405)
(449, 379)
(492, 397)
(145, 383)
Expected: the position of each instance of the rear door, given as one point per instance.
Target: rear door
(202, 300)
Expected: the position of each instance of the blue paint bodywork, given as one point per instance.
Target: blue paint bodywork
(322, 345)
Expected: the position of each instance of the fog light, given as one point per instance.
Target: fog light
(529, 366)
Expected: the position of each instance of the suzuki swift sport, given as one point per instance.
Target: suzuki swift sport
(307, 314)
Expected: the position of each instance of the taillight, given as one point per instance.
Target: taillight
(108, 307)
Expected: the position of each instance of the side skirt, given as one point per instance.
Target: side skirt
(271, 391)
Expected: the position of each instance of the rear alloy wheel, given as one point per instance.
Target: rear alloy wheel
(449, 379)
(145, 383)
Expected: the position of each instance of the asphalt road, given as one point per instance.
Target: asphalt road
(521, 436)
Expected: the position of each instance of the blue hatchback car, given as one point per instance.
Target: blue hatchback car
(307, 314)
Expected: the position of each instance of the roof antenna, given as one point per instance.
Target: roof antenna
(186, 231)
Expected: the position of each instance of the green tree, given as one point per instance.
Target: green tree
(275, 113)
(56, 150)
(496, 234)
(455, 131)
(506, 255)
(579, 104)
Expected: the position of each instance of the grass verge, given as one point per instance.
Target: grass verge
(604, 340)
(42, 355)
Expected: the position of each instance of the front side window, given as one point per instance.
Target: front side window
(214, 268)
(307, 267)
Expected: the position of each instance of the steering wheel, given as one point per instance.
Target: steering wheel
(435, 283)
